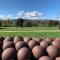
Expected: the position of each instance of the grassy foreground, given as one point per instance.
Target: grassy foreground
(30, 31)
(32, 34)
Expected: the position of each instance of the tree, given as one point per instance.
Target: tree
(0, 23)
(19, 22)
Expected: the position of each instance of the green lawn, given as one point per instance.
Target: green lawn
(32, 34)
(30, 31)
(27, 28)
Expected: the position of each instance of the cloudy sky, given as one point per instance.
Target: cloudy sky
(35, 9)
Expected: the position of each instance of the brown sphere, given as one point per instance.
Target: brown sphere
(27, 39)
(17, 38)
(19, 45)
(57, 43)
(7, 39)
(49, 39)
(9, 54)
(38, 39)
(8, 44)
(37, 51)
(45, 58)
(44, 44)
(52, 51)
(32, 43)
(57, 58)
(24, 54)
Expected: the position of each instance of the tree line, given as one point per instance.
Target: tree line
(28, 23)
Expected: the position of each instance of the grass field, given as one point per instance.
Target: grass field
(30, 31)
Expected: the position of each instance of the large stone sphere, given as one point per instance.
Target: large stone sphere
(9, 54)
(45, 58)
(37, 51)
(20, 45)
(7, 39)
(57, 43)
(38, 39)
(49, 39)
(17, 39)
(32, 43)
(24, 54)
(8, 44)
(44, 44)
(52, 51)
(57, 58)
(27, 39)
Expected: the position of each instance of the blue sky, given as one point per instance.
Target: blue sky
(30, 8)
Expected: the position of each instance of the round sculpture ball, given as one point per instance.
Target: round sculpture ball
(27, 39)
(57, 58)
(32, 43)
(8, 44)
(17, 38)
(57, 43)
(52, 51)
(37, 51)
(38, 39)
(49, 39)
(20, 45)
(9, 54)
(45, 58)
(44, 44)
(24, 54)
(7, 39)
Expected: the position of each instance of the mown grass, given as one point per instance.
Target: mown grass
(31, 34)
(27, 28)
(30, 31)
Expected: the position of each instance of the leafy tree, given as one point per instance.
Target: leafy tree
(0, 23)
(19, 22)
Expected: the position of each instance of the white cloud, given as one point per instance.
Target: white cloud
(6, 17)
(56, 18)
(31, 14)
(24, 15)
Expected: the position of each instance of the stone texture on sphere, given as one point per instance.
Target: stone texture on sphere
(9, 54)
(38, 39)
(45, 58)
(37, 51)
(32, 43)
(8, 44)
(45, 44)
(24, 54)
(57, 58)
(57, 43)
(20, 45)
(49, 39)
(52, 51)
(17, 38)
(27, 39)
(7, 39)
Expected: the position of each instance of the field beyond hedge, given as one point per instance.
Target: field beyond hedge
(30, 31)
